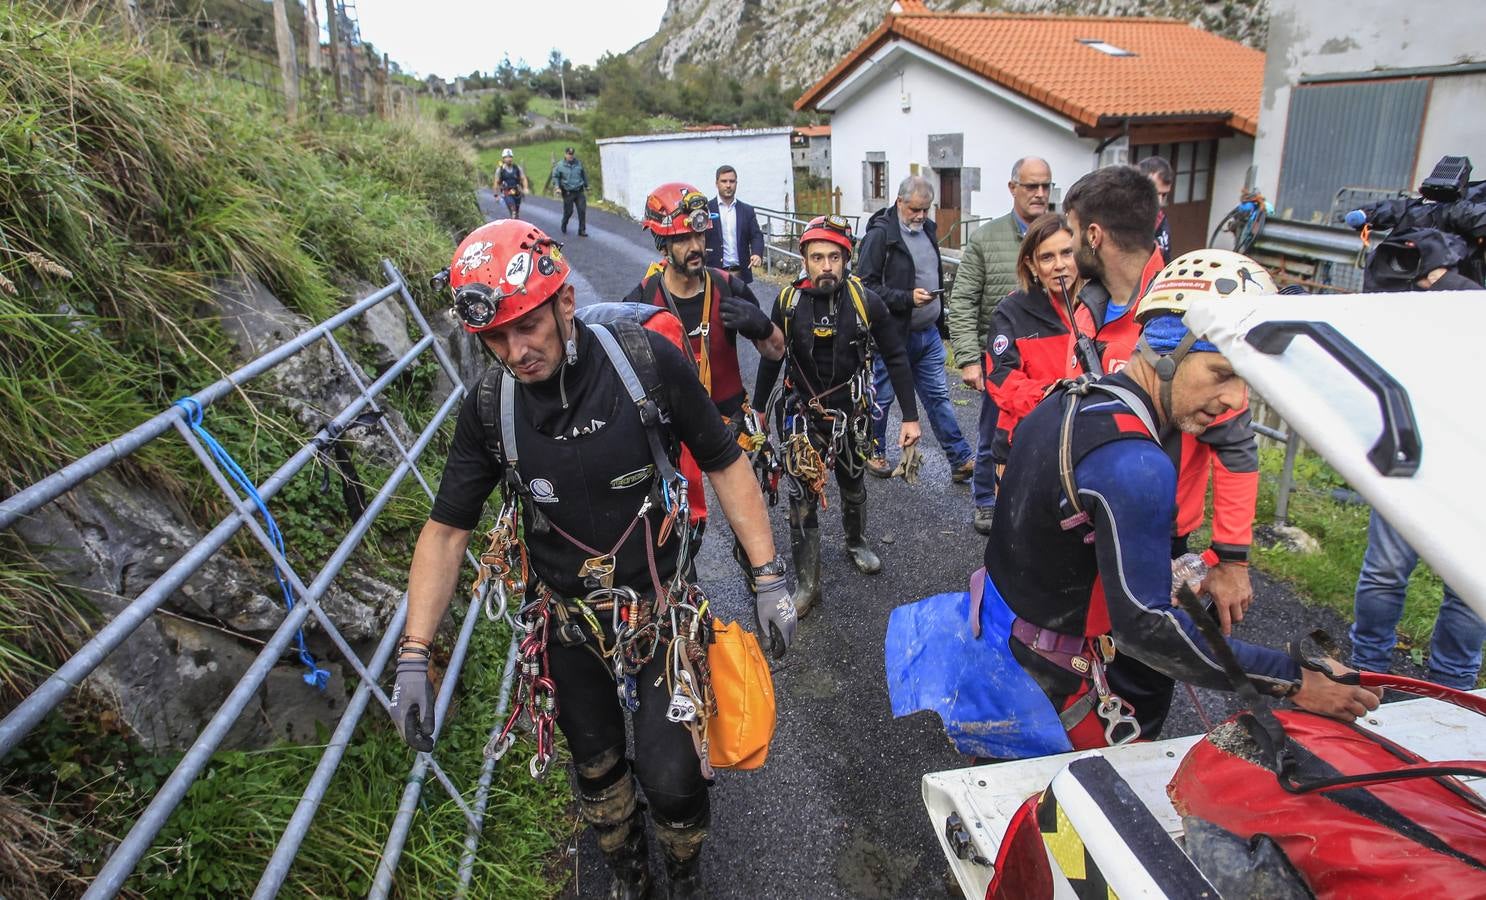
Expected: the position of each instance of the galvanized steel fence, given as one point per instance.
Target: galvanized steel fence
(308, 592)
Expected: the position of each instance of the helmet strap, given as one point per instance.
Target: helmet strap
(1165, 365)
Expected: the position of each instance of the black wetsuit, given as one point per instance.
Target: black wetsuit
(1121, 585)
(591, 452)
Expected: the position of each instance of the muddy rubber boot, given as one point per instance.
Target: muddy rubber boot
(804, 546)
(681, 845)
(619, 824)
(854, 523)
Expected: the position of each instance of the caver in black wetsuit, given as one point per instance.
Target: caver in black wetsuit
(1121, 584)
(583, 446)
(826, 348)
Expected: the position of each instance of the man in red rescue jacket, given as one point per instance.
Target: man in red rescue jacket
(1112, 211)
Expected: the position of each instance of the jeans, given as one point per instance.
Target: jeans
(983, 484)
(580, 200)
(926, 360)
(1455, 648)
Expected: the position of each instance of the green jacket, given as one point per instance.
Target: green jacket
(570, 176)
(987, 273)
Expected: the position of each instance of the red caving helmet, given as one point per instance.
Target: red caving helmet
(502, 271)
(676, 208)
(835, 229)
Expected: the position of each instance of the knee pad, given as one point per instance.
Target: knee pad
(601, 770)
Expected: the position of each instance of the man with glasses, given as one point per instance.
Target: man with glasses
(899, 261)
(823, 411)
(587, 526)
(986, 274)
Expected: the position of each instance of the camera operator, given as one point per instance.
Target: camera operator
(1436, 241)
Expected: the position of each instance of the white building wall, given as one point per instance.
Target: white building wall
(1452, 124)
(996, 132)
(634, 165)
(1318, 37)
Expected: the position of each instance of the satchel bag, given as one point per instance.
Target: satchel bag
(738, 734)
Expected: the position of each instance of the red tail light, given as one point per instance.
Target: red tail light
(1022, 868)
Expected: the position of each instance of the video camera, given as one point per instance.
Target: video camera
(1444, 228)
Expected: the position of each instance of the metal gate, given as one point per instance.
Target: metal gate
(308, 592)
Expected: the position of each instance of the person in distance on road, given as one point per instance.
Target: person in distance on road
(511, 184)
(580, 467)
(571, 181)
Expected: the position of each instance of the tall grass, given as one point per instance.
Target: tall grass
(129, 184)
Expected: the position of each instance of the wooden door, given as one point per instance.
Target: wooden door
(948, 219)
(1190, 204)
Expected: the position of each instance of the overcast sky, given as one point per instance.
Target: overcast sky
(456, 37)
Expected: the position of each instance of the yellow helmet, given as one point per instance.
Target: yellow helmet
(1203, 273)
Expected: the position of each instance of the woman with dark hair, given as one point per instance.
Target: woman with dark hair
(1031, 339)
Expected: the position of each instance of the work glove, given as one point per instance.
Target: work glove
(746, 319)
(776, 614)
(412, 703)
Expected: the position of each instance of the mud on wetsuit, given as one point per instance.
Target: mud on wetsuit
(584, 458)
(1119, 585)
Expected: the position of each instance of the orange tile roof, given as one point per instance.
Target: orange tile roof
(1178, 71)
(813, 131)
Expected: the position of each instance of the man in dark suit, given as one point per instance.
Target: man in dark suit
(736, 244)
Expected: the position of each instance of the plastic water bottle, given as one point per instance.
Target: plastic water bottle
(1189, 569)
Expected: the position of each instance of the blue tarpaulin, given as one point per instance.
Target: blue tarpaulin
(990, 705)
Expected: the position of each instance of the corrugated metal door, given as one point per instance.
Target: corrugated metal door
(1351, 134)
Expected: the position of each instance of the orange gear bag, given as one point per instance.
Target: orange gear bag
(739, 732)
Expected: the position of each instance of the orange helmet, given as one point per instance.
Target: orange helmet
(676, 208)
(503, 270)
(835, 229)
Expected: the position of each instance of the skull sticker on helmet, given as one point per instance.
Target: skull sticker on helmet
(474, 256)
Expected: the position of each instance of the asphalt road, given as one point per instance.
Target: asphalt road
(836, 811)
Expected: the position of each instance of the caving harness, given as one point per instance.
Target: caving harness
(673, 621)
(816, 437)
(1086, 656)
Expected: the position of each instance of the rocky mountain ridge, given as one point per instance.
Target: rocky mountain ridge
(797, 41)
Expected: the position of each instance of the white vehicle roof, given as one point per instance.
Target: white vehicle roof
(1430, 343)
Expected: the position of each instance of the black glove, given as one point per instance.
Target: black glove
(412, 703)
(746, 319)
(776, 614)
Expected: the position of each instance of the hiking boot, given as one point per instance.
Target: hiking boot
(982, 518)
(804, 545)
(878, 466)
(854, 523)
(963, 472)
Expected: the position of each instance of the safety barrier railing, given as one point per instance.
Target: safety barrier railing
(307, 594)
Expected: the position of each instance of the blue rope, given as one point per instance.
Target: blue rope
(315, 676)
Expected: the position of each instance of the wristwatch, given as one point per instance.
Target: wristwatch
(774, 566)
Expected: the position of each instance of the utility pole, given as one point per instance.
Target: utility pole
(288, 65)
(332, 22)
(312, 38)
(563, 85)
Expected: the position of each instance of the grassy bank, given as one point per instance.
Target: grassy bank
(1329, 577)
(129, 184)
